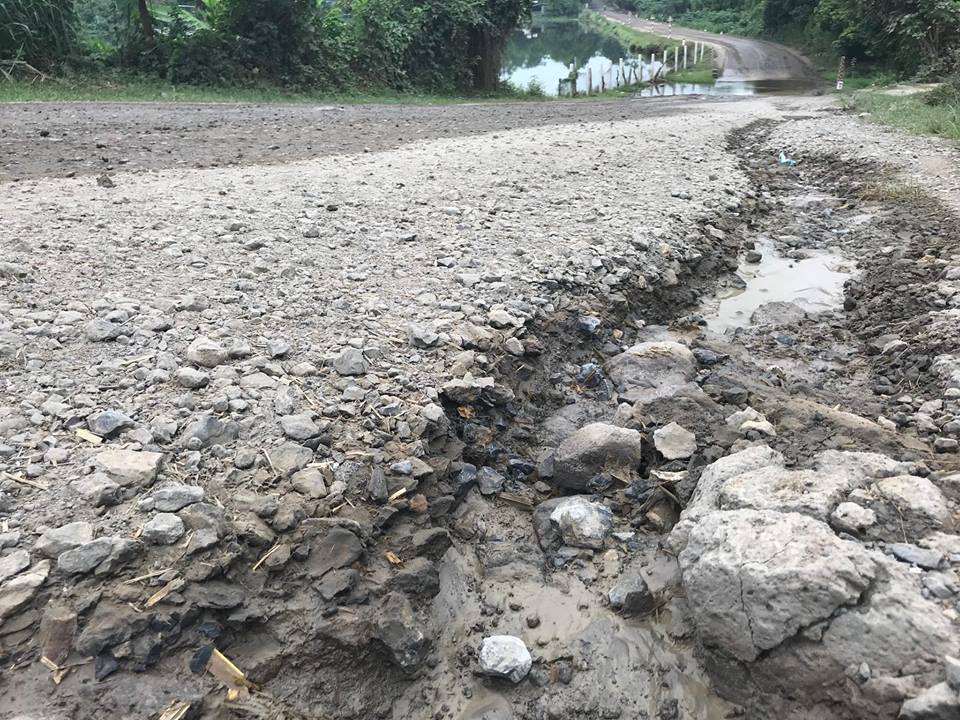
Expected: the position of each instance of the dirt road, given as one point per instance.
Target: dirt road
(478, 413)
(64, 139)
(739, 59)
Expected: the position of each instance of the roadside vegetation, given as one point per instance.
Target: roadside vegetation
(357, 46)
(908, 38)
(934, 112)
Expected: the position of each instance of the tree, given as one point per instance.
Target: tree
(489, 37)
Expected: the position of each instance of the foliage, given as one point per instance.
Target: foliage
(39, 32)
(918, 113)
(330, 44)
(890, 33)
(563, 8)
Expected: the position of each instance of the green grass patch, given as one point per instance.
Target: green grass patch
(121, 88)
(909, 112)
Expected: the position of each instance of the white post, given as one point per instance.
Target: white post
(684, 56)
(676, 55)
(621, 74)
(589, 80)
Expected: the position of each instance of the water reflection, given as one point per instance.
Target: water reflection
(543, 53)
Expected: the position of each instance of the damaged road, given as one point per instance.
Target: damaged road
(465, 429)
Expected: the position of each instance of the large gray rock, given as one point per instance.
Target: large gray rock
(651, 370)
(505, 656)
(592, 449)
(941, 702)
(706, 497)
(905, 505)
(397, 627)
(810, 492)
(755, 578)
(894, 631)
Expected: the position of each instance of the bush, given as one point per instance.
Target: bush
(947, 94)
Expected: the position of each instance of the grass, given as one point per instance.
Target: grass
(121, 88)
(701, 72)
(908, 112)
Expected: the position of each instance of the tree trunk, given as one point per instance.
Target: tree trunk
(488, 48)
(146, 22)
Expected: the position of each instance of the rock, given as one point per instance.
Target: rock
(466, 390)
(422, 335)
(216, 595)
(351, 361)
(338, 549)
(253, 531)
(921, 557)
(309, 482)
(504, 656)
(744, 604)
(108, 423)
(174, 497)
(810, 492)
(706, 496)
(489, 481)
(674, 442)
(941, 702)
(278, 348)
(336, 583)
(582, 523)
(209, 430)
(377, 486)
(299, 427)
(632, 596)
(651, 370)
(852, 518)
(57, 630)
(743, 421)
(163, 529)
(206, 353)
(66, 537)
(289, 458)
(100, 330)
(952, 669)
(13, 563)
(593, 449)
(98, 489)
(129, 467)
(501, 319)
(397, 628)
(909, 505)
(109, 626)
(103, 554)
(19, 590)
(191, 378)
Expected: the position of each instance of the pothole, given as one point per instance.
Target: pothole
(813, 282)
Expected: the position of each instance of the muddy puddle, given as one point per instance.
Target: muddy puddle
(814, 283)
